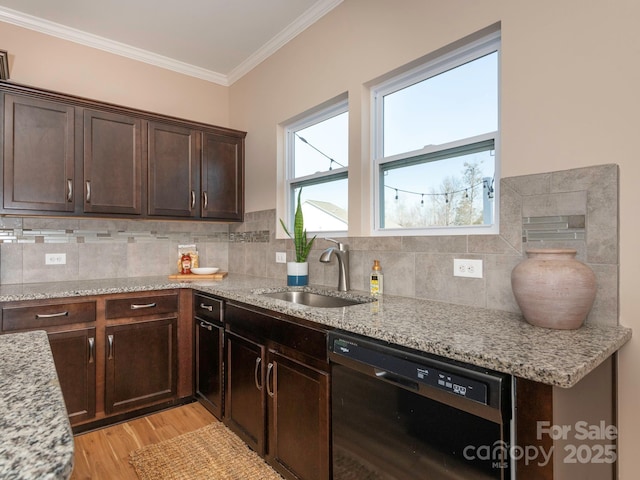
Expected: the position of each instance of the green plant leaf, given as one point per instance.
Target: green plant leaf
(300, 242)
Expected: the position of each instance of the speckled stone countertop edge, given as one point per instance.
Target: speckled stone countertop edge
(37, 440)
(492, 339)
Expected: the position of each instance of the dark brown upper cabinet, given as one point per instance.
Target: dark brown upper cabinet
(112, 163)
(39, 155)
(174, 170)
(222, 177)
(74, 156)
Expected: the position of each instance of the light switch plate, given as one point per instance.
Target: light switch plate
(281, 257)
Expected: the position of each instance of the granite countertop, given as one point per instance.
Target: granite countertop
(37, 441)
(493, 339)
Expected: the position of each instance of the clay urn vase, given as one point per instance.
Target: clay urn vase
(553, 289)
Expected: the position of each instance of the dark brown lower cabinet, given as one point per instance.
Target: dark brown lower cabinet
(209, 358)
(277, 391)
(75, 360)
(298, 412)
(141, 365)
(244, 395)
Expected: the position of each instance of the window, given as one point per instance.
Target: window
(317, 162)
(435, 144)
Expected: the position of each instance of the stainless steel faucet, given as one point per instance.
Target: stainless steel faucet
(342, 254)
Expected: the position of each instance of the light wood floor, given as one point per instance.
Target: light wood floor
(104, 454)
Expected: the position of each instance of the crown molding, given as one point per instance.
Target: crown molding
(304, 21)
(47, 27)
(78, 36)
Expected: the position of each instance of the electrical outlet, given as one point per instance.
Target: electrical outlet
(281, 257)
(464, 267)
(55, 258)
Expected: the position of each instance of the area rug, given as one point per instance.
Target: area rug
(211, 452)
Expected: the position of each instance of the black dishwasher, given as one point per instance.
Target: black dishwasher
(401, 414)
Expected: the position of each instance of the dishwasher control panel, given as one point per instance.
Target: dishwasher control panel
(398, 367)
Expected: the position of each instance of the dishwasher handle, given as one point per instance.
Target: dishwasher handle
(397, 379)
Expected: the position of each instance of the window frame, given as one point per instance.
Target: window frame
(319, 114)
(461, 55)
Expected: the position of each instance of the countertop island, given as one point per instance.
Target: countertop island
(492, 339)
(37, 441)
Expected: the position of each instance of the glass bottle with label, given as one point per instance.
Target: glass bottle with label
(376, 279)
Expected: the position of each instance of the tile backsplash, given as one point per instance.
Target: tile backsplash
(575, 208)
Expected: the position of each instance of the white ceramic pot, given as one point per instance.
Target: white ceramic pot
(553, 289)
(297, 274)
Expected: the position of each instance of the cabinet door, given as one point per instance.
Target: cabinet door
(174, 170)
(74, 357)
(209, 362)
(38, 154)
(141, 364)
(222, 177)
(298, 419)
(244, 396)
(112, 163)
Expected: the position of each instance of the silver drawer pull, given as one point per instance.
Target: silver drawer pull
(109, 347)
(193, 200)
(256, 371)
(52, 315)
(88, 191)
(92, 349)
(69, 190)
(206, 307)
(207, 326)
(146, 305)
(269, 374)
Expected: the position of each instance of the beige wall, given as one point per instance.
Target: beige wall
(47, 62)
(570, 79)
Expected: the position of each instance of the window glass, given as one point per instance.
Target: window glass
(458, 103)
(317, 162)
(436, 143)
(324, 205)
(450, 188)
(321, 146)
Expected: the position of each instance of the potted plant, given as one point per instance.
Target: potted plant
(298, 271)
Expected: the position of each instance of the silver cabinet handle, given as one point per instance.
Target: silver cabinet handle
(138, 307)
(52, 315)
(205, 200)
(269, 373)
(69, 190)
(88, 191)
(206, 325)
(255, 373)
(110, 345)
(92, 349)
(193, 199)
(206, 307)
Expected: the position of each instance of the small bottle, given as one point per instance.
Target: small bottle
(376, 278)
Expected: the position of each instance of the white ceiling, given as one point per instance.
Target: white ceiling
(217, 40)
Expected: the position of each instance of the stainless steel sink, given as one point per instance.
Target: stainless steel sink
(314, 299)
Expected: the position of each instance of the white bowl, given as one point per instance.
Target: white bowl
(204, 270)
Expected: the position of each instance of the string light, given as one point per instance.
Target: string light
(331, 162)
(487, 184)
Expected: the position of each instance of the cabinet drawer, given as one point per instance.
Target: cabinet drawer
(49, 315)
(256, 325)
(139, 306)
(207, 308)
